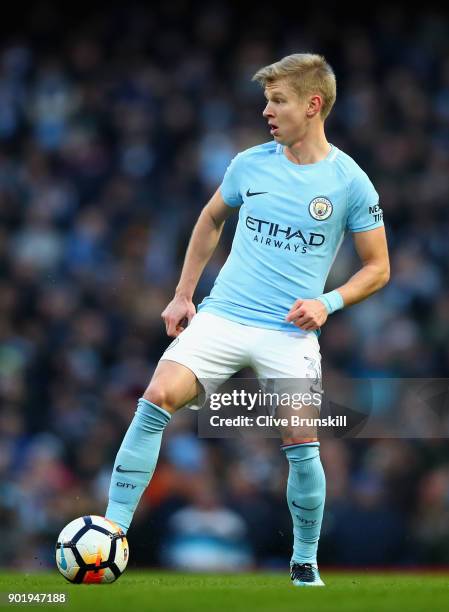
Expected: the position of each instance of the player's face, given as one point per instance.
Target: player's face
(285, 112)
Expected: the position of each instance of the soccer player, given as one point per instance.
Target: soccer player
(297, 196)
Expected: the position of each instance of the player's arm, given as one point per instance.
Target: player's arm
(202, 244)
(371, 247)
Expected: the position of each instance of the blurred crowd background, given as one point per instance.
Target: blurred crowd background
(116, 127)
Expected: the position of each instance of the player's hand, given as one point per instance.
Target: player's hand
(308, 315)
(177, 315)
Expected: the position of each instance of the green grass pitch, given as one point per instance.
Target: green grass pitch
(149, 590)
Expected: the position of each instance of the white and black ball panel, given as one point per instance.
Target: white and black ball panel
(122, 554)
(71, 529)
(94, 546)
(101, 521)
(66, 562)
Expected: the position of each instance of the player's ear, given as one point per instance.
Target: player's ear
(314, 106)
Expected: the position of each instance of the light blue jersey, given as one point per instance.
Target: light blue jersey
(292, 221)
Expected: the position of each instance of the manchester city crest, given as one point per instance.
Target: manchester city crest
(320, 208)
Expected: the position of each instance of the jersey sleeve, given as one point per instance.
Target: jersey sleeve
(364, 212)
(230, 186)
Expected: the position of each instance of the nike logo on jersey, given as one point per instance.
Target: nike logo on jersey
(249, 193)
(122, 471)
(304, 508)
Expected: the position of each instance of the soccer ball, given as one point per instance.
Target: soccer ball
(91, 549)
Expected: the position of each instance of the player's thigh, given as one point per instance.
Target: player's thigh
(211, 347)
(281, 354)
(172, 386)
(290, 365)
(207, 353)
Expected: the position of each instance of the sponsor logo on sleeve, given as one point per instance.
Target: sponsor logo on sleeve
(376, 212)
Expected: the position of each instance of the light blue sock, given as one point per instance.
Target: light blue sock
(135, 462)
(306, 492)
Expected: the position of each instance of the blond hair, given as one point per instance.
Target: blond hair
(306, 73)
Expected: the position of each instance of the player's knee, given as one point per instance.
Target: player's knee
(159, 394)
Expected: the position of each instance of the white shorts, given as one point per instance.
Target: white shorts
(214, 349)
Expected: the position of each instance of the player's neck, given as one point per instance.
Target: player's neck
(310, 150)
